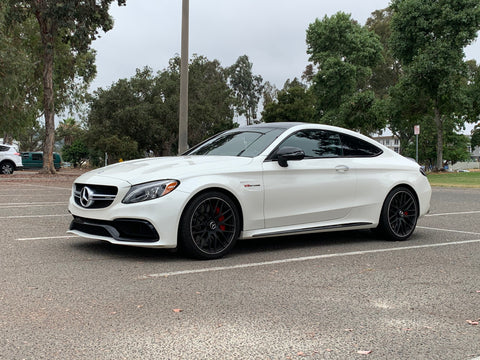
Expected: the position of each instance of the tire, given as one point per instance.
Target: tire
(399, 215)
(6, 168)
(210, 226)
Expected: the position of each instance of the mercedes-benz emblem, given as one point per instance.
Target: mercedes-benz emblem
(86, 197)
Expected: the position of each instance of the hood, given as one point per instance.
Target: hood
(178, 167)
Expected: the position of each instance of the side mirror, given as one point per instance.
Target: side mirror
(289, 153)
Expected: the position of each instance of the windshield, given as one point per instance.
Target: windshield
(246, 143)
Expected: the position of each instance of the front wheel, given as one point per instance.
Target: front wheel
(209, 226)
(6, 168)
(399, 215)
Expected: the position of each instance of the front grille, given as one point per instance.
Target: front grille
(132, 230)
(94, 196)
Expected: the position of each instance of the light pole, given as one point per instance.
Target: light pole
(183, 112)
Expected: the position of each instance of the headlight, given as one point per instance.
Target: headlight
(150, 191)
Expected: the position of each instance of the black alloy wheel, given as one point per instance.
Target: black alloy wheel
(399, 214)
(210, 226)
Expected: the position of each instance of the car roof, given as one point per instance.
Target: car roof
(275, 125)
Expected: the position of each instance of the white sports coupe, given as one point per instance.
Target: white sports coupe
(263, 180)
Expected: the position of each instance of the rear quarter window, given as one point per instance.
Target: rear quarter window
(354, 147)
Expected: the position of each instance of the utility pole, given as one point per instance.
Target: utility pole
(183, 118)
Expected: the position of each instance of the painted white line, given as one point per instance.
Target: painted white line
(455, 213)
(48, 238)
(448, 230)
(299, 259)
(37, 204)
(31, 216)
(46, 187)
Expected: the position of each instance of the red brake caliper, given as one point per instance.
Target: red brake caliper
(220, 219)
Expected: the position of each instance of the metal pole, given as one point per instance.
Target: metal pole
(183, 118)
(416, 149)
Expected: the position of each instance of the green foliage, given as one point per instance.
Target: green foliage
(385, 74)
(18, 82)
(75, 153)
(475, 140)
(117, 147)
(473, 91)
(455, 145)
(294, 103)
(428, 37)
(66, 29)
(344, 53)
(31, 139)
(247, 88)
(144, 109)
(68, 130)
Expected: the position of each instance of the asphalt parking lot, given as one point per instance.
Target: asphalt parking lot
(328, 296)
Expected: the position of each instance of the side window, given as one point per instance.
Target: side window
(353, 147)
(4, 148)
(316, 143)
(37, 157)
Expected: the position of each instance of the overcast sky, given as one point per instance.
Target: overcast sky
(270, 32)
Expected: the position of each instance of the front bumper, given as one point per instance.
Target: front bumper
(151, 223)
(126, 230)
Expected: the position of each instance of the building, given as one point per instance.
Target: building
(390, 141)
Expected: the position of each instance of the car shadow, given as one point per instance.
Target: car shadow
(94, 248)
(97, 248)
(284, 243)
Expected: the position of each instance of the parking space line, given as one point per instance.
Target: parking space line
(301, 259)
(455, 213)
(48, 238)
(46, 187)
(32, 216)
(448, 230)
(34, 204)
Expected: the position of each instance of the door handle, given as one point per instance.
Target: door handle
(342, 168)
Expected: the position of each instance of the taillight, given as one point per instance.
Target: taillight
(422, 171)
(17, 154)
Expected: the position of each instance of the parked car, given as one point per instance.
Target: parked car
(10, 159)
(34, 160)
(263, 180)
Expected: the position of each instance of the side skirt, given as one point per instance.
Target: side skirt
(313, 229)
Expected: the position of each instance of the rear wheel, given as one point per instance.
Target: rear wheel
(399, 215)
(210, 226)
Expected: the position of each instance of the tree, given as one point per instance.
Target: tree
(344, 53)
(475, 140)
(407, 106)
(474, 91)
(144, 108)
(429, 37)
(211, 100)
(385, 74)
(127, 110)
(31, 139)
(17, 75)
(73, 22)
(247, 88)
(68, 130)
(294, 103)
(76, 153)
